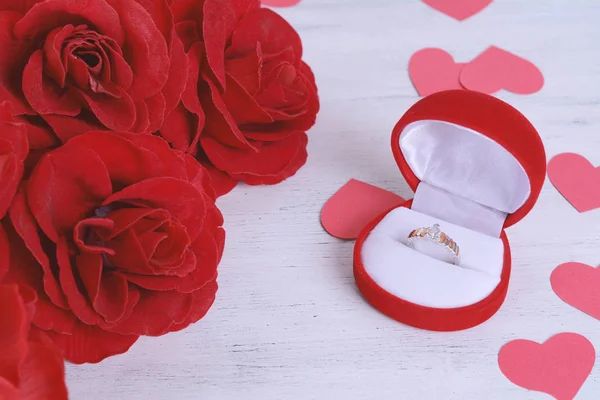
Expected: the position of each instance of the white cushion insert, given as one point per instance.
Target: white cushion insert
(423, 280)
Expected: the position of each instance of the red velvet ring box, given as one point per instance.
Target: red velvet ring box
(477, 166)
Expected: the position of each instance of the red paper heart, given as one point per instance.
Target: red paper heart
(496, 69)
(355, 205)
(577, 180)
(559, 367)
(458, 9)
(434, 70)
(280, 3)
(579, 286)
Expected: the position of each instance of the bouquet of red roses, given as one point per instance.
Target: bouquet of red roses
(121, 123)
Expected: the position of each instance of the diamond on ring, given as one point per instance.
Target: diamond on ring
(422, 239)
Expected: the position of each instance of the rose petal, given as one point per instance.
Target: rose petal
(86, 228)
(39, 134)
(79, 304)
(13, 335)
(125, 218)
(156, 106)
(129, 255)
(45, 96)
(156, 313)
(148, 156)
(268, 28)
(13, 151)
(8, 391)
(219, 121)
(202, 300)
(221, 182)
(199, 176)
(218, 22)
(67, 127)
(46, 15)
(14, 55)
(53, 53)
(50, 317)
(65, 187)
(146, 47)
(43, 370)
(142, 118)
(208, 255)
(164, 282)
(108, 291)
(161, 14)
(181, 128)
(187, 31)
(90, 344)
(246, 69)
(26, 227)
(272, 163)
(178, 76)
(243, 107)
(4, 253)
(188, 207)
(120, 71)
(116, 113)
(79, 72)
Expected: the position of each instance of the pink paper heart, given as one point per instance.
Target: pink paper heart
(352, 207)
(579, 286)
(458, 9)
(434, 70)
(280, 3)
(497, 69)
(576, 179)
(559, 367)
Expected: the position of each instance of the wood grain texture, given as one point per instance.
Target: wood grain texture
(288, 322)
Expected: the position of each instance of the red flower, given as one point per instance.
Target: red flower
(250, 98)
(120, 237)
(13, 151)
(31, 366)
(91, 64)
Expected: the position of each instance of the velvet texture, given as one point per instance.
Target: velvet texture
(249, 97)
(506, 126)
(113, 249)
(31, 367)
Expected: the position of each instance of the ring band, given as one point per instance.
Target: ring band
(434, 235)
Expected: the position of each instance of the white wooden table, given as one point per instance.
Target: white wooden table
(289, 322)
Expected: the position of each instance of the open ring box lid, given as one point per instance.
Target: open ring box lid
(477, 166)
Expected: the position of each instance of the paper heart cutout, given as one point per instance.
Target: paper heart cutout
(496, 69)
(579, 286)
(353, 206)
(434, 70)
(458, 9)
(280, 3)
(559, 367)
(576, 179)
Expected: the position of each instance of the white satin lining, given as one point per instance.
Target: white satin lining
(473, 177)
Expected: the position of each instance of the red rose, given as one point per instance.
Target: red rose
(4, 253)
(13, 151)
(123, 240)
(250, 98)
(91, 64)
(31, 366)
